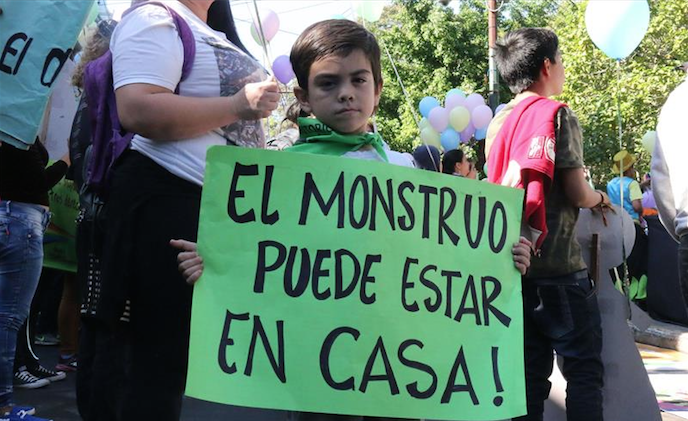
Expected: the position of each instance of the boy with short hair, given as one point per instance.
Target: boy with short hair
(337, 65)
(536, 143)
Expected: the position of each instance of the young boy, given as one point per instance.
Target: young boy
(536, 143)
(337, 65)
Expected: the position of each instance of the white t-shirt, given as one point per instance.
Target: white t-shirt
(669, 169)
(147, 49)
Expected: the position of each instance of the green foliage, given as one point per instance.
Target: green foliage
(646, 78)
(436, 49)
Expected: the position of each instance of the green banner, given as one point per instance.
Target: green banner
(59, 241)
(36, 39)
(354, 287)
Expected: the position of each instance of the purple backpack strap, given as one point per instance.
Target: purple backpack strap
(109, 138)
(185, 33)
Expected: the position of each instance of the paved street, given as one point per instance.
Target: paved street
(58, 401)
(668, 371)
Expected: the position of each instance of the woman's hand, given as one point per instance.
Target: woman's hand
(521, 252)
(256, 100)
(190, 264)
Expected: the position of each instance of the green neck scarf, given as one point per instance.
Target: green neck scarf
(317, 138)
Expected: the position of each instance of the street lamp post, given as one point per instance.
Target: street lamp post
(493, 98)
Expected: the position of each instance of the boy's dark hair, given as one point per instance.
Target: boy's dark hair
(334, 37)
(450, 159)
(427, 157)
(522, 52)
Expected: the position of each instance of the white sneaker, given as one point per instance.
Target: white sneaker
(25, 380)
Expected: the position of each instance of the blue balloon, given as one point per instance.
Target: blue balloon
(617, 26)
(480, 133)
(427, 104)
(449, 139)
(455, 91)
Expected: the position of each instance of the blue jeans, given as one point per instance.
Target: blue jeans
(21, 257)
(561, 314)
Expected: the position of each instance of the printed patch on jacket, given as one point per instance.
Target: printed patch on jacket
(550, 150)
(536, 146)
(542, 146)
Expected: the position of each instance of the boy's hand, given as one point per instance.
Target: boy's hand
(604, 206)
(256, 100)
(604, 199)
(521, 252)
(190, 264)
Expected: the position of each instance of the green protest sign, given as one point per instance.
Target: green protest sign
(36, 39)
(59, 241)
(354, 287)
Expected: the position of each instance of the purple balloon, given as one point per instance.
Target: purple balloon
(282, 69)
(439, 118)
(467, 133)
(473, 100)
(481, 116)
(499, 108)
(454, 100)
(270, 23)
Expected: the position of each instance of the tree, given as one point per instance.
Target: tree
(436, 49)
(646, 78)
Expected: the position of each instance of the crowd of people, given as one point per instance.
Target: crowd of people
(135, 283)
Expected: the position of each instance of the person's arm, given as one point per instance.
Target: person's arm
(638, 206)
(636, 196)
(47, 177)
(157, 113)
(569, 163)
(54, 173)
(579, 192)
(147, 60)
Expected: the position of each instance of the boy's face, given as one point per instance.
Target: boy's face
(557, 74)
(341, 92)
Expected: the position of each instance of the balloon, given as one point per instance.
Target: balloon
(269, 21)
(459, 118)
(617, 26)
(370, 10)
(439, 118)
(449, 139)
(467, 133)
(455, 91)
(480, 134)
(473, 100)
(423, 123)
(282, 69)
(427, 104)
(481, 116)
(338, 16)
(649, 140)
(430, 137)
(454, 100)
(499, 108)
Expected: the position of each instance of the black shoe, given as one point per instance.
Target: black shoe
(45, 373)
